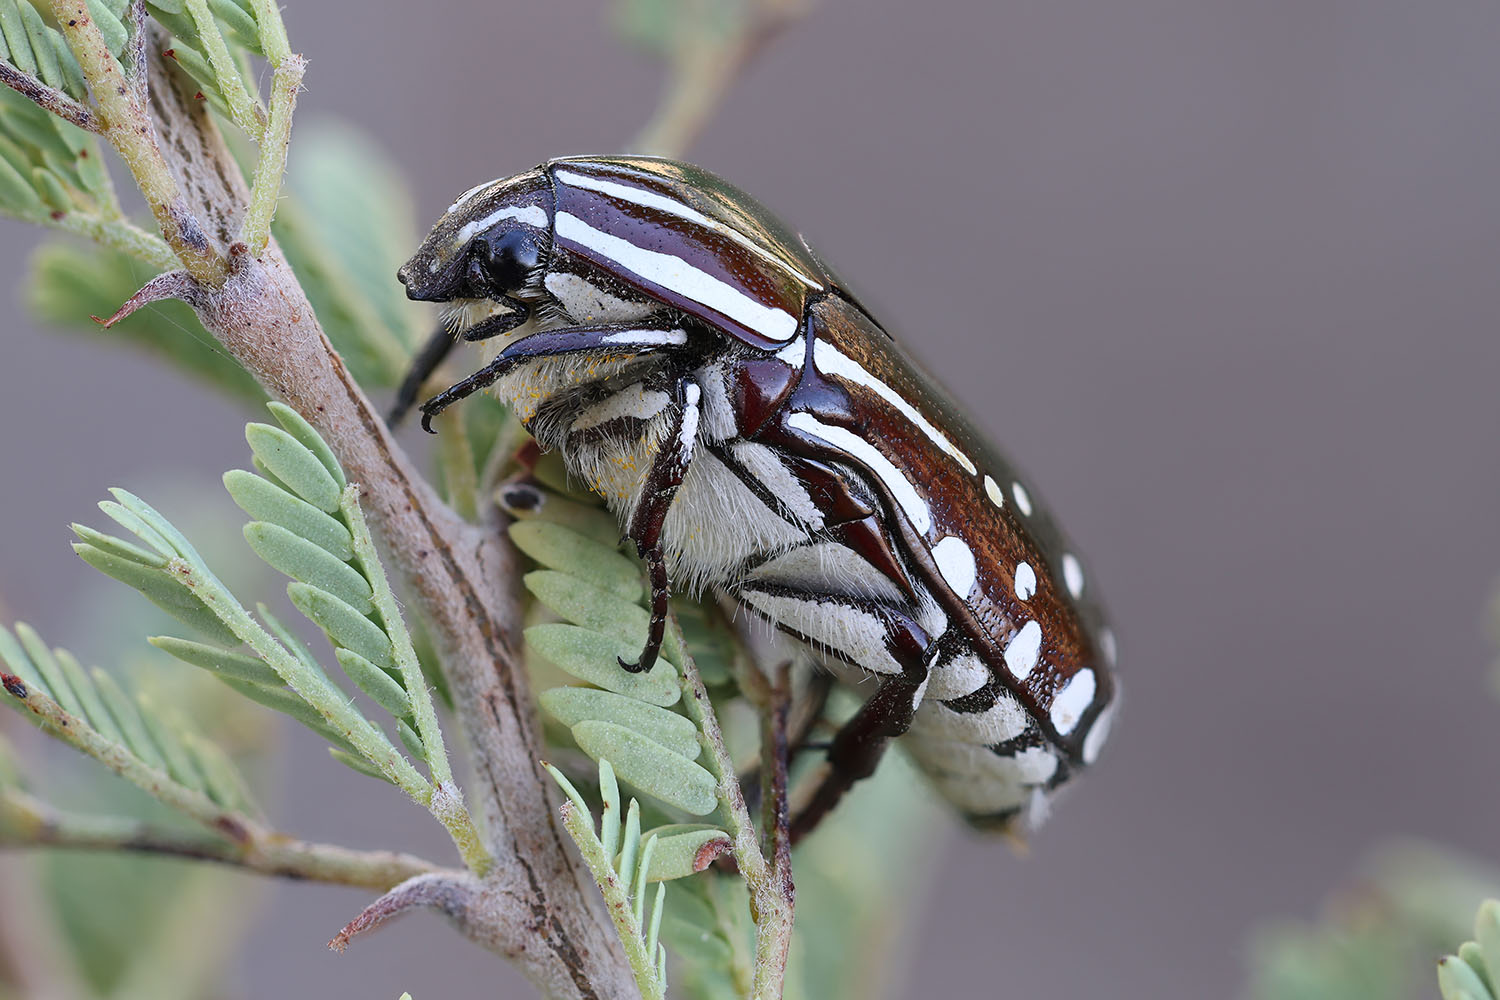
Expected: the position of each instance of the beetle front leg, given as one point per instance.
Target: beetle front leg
(439, 345)
(635, 338)
(660, 489)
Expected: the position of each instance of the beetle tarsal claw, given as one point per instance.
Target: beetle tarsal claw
(172, 285)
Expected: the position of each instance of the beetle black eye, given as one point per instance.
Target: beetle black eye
(503, 265)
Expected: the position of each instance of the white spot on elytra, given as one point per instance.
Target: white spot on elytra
(1107, 645)
(1021, 654)
(1072, 701)
(1025, 581)
(955, 561)
(1023, 499)
(1072, 574)
(1098, 733)
(993, 489)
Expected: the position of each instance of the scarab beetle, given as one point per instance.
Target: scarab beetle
(759, 433)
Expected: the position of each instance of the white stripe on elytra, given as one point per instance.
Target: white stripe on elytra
(900, 487)
(996, 497)
(671, 206)
(955, 561)
(677, 274)
(794, 353)
(531, 215)
(831, 361)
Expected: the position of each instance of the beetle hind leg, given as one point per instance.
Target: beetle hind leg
(872, 634)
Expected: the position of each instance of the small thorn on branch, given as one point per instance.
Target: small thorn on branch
(450, 895)
(172, 285)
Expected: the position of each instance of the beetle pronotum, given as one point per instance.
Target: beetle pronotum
(759, 433)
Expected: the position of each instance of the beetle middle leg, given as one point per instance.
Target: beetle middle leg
(660, 489)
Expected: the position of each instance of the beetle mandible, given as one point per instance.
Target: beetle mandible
(759, 433)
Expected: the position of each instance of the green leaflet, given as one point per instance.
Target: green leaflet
(684, 849)
(357, 763)
(293, 423)
(649, 766)
(309, 563)
(572, 705)
(127, 717)
(379, 685)
(265, 501)
(1472, 974)
(294, 466)
(592, 657)
(597, 610)
(579, 556)
(161, 589)
(345, 625)
(223, 662)
(621, 877)
(98, 708)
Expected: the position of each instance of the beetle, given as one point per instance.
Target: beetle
(759, 433)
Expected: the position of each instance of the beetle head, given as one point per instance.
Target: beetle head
(491, 246)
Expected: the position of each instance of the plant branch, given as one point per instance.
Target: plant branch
(28, 822)
(771, 892)
(48, 98)
(445, 800)
(285, 82)
(538, 904)
(124, 121)
(153, 781)
(117, 234)
(243, 107)
(616, 899)
(702, 71)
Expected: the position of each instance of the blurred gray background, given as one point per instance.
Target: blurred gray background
(1222, 276)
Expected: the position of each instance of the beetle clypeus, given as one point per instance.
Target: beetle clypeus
(759, 433)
